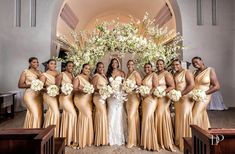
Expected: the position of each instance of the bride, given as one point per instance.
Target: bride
(117, 124)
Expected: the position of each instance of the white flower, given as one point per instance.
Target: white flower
(88, 88)
(52, 90)
(105, 92)
(36, 85)
(129, 85)
(144, 90)
(174, 95)
(111, 79)
(67, 88)
(198, 95)
(159, 92)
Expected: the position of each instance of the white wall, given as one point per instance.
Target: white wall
(212, 43)
(20, 43)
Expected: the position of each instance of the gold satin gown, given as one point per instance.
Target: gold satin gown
(85, 123)
(68, 128)
(100, 118)
(33, 103)
(148, 133)
(183, 112)
(52, 116)
(132, 106)
(200, 116)
(163, 123)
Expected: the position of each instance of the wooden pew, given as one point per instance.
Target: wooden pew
(212, 141)
(30, 141)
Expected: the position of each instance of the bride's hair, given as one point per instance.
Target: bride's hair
(110, 68)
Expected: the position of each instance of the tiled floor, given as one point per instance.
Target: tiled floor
(225, 119)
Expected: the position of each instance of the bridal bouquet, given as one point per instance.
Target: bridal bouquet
(159, 92)
(105, 92)
(129, 85)
(144, 90)
(36, 85)
(198, 95)
(52, 90)
(174, 95)
(115, 83)
(67, 88)
(88, 88)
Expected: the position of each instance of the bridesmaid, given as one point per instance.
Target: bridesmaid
(52, 116)
(149, 104)
(100, 118)
(163, 123)
(184, 83)
(68, 127)
(83, 102)
(205, 79)
(132, 106)
(32, 99)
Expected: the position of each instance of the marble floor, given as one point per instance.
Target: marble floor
(225, 119)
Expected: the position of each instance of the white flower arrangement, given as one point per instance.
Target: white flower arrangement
(198, 95)
(174, 95)
(159, 92)
(88, 88)
(105, 92)
(67, 88)
(129, 85)
(52, 90)
(144, 90)
(36, 85)
(142, 38)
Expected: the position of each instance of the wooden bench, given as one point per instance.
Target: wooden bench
(31, 141)
(212, 141)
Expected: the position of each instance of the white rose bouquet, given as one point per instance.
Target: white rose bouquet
(129, 85)
(88, 88)
(198, 95)
(159, 92)
(144, 90)
(67, 88)
(52, 90)
(105, 92)
(36, 85)
(174, 95)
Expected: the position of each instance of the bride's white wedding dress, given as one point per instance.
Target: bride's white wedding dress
(117, 119)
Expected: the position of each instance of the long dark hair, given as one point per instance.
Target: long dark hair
(31, 59)
(97, 65)
(83, 66)
(110, 68)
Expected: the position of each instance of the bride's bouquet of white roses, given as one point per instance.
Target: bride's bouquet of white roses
(144, 90)
(105, 92)
(174, 95)
(115, 83)
(36, 85)
(129, 86)
(67, 88)
(88, 88)
(198, 95)
(52, 90)
(159, 92)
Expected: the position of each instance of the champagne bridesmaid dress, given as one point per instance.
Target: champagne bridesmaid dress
(163, 123)
(83, 102)
(183, 112)
(68, 127)
(52, 116)
(100, 118)
(132, 106)
(200, 117)
(148, 132)
(33, 103)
